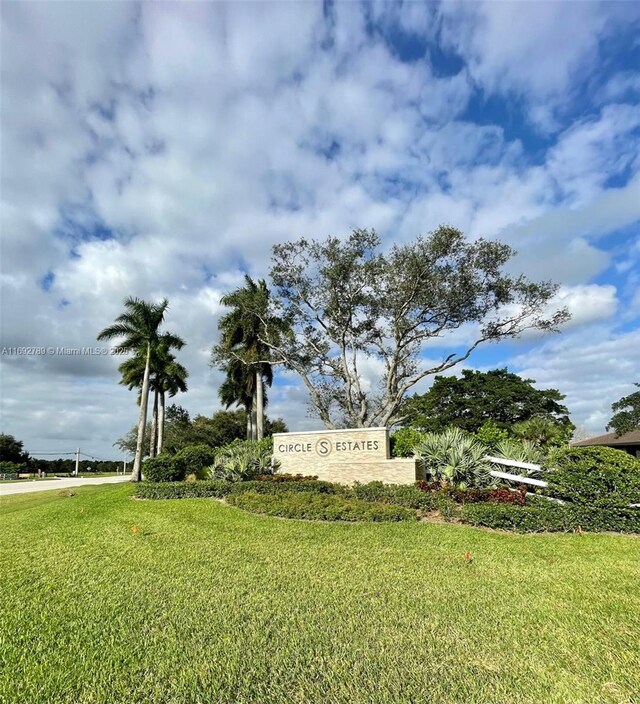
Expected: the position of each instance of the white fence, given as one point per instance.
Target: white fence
(524, 479)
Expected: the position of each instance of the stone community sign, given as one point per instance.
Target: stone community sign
(344, 456)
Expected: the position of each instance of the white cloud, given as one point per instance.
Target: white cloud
(200, 134)
(522, 49)
(593, 367)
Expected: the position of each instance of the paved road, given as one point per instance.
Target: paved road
(24, 486)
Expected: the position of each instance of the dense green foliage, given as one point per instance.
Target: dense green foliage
(408, 495)
(543, 515)
(162, 469)
(489, 434)
(404, 441)
(594, 476)
(221, 429)
(475, 398)
(183, 490)
(12, 450)
(228, 606)
(262, 487)
(286, 477)
(626, 414)
(194, 459)
(319, 507)
(11, 467)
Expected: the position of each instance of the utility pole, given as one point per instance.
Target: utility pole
(77, 462)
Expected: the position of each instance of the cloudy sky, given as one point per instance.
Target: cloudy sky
(161, 149)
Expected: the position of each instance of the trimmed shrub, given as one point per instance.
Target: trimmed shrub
(162, 469)
(262, 487)
(409, 495)
(404, 441)
(182, 490)
(598, 477)
(286, 478)
(543, 515)
(498, 496)
(319, 507)
(243, 460)
(194, 459)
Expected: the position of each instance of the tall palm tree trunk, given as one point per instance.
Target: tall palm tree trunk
(154, 425)
(259, 405)
(254, 417)
(136, 473)
(161, 412)
(249, 423)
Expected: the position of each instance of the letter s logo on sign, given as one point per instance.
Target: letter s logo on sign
(323, 447)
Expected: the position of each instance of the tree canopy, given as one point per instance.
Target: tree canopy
(497, 396)
(626, 414)
(182, 431)
(11, 450)
(346, 307)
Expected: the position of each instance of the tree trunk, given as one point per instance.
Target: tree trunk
(254, 418)
(136, 473)
(161, 412)
(259, 406)
(154, 425)
(249, 424)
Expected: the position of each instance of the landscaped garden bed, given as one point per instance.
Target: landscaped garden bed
(589, 489)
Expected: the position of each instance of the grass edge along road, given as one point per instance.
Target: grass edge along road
(105, 599)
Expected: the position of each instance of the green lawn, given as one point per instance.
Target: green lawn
(202, 603)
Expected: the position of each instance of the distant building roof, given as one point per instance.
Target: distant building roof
(610, 439)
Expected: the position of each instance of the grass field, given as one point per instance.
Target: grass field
(111, 600)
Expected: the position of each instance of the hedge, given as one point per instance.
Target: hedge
(183, 490)
(594, 476)
(194, 459)
(319, 507)
(409, 495)
(262, 487)
(162, 469)
(543, 515)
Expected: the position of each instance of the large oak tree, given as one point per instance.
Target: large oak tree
(349, 306)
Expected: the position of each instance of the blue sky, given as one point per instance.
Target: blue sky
(161, 149)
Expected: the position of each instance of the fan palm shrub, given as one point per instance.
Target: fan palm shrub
(242, 460)
(519, 451)
(454, 457)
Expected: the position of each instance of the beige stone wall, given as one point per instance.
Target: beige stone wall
(396, 471)
(344, 456)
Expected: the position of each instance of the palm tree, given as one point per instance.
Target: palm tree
(170, 378)
(242, 339)
(138, 328)
(166, 376)
(239, 388)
